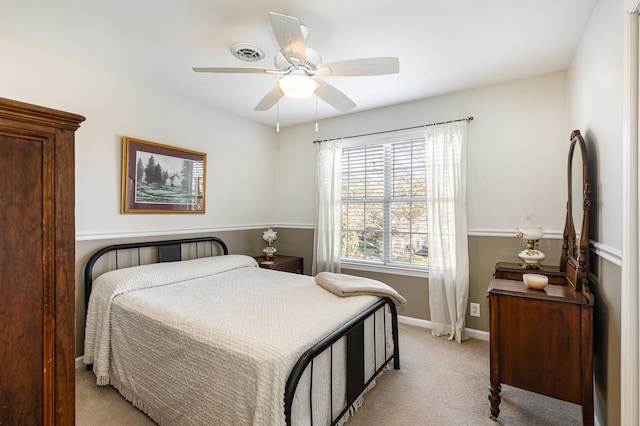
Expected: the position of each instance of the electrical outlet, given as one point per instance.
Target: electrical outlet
(475, 309)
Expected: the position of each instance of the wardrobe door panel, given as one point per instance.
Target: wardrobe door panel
(24, 289)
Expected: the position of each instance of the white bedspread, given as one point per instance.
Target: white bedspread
(240, 327)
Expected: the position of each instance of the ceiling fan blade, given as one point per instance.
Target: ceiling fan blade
(334, 97)
(290, 38)
(360, 67)
(237, 70)
(270, 99)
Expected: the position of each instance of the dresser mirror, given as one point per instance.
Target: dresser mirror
(575, 246)
(575, 189)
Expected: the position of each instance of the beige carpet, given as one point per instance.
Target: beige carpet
(439, 383)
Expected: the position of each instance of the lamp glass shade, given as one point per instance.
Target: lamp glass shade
(297, 86)
(270, 235)
(530, 232)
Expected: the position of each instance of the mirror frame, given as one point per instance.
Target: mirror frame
(574, 261)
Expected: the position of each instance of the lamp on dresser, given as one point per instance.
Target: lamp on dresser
(529, 233)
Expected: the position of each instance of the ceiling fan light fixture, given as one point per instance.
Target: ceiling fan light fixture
(297, 86)
(301, 67)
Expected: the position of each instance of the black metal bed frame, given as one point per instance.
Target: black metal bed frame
(357, 383)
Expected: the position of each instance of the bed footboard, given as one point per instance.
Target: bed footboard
(357, 383)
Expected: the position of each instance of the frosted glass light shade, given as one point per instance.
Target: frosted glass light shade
(297, 86)
(270, 235)
(531, 232)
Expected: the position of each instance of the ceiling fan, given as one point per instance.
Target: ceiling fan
(300, 66)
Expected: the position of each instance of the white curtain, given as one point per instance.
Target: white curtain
(447, 222)
(329, 193)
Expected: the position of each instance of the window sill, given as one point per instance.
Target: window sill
(385, 269)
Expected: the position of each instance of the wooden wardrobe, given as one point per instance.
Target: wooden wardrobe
(37, 261)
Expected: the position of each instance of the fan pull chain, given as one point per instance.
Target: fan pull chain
(278, 115)
(316, 112)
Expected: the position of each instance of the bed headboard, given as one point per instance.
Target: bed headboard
(138, 254)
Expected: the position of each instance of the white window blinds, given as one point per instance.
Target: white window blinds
(384, 203)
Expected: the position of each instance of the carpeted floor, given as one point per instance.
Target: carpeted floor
(439, 383)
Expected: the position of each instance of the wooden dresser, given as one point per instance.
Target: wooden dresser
(281, 263)
(541, 341)
(37, 265)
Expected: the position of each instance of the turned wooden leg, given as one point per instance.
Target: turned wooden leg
(494, 397)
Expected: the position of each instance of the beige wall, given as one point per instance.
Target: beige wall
(604, 283)
(414, 289)
(484, 253)
(519, 127)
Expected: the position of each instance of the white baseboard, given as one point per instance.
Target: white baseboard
(473, 333)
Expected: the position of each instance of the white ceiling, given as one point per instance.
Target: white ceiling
(443, 45)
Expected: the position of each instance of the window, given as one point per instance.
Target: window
(384, 216)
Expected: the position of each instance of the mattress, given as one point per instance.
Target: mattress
(212, 341)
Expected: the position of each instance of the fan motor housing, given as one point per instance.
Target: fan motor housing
(311, 62)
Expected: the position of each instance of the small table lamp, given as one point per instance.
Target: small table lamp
(269, 236)
(531, 257)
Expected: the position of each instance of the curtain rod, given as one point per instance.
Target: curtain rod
(396, 130)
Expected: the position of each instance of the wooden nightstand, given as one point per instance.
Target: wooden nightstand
(281, 263)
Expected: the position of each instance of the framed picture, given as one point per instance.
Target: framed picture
(162, 179)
